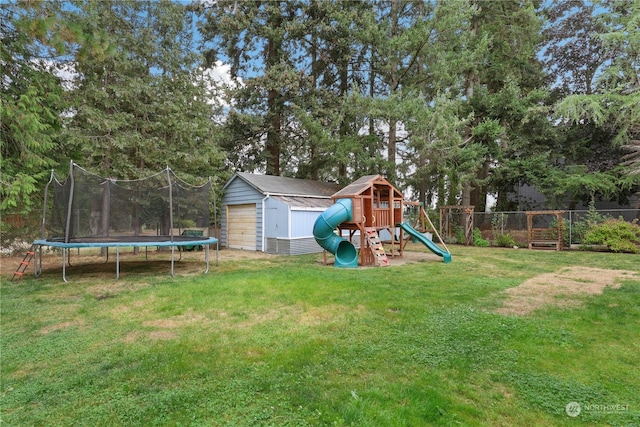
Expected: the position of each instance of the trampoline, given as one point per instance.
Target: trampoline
(88, 211)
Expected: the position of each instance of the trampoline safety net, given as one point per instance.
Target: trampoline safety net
(85, 206)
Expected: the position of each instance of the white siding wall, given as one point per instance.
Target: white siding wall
(302, 222)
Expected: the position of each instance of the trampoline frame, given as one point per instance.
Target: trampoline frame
(127, 241)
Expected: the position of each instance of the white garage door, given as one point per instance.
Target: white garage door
(241, 227)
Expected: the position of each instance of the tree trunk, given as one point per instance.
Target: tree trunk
(478, 197)
(393, 138)
(466, 194)
(274, 110)
(422, 180)
(471, 81)
(273, 134)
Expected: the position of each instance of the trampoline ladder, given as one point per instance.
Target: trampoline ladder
(28, 256)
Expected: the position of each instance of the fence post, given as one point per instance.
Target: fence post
(570, 230)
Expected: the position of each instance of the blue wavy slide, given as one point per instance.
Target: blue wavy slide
(345, 254)
(446, 256)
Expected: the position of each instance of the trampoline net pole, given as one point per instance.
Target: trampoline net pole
(170, 209)
(44, 206)
(70, 204)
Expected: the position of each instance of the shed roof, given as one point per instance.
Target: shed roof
(362, 184)
(283, 186)
(312, 203)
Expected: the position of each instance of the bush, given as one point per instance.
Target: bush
(459, 235)
(478, 240)
(505, 240)
(17, 232)
(617, 234)
(582, 226)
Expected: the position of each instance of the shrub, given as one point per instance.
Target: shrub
(505, 240)
(617, 234)
(498, 224)
(17, 232)
(581, 227)
(459, 234)
(478, 240)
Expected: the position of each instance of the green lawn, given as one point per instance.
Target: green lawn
(287, 341)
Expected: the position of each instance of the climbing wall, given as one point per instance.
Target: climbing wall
(376, 247)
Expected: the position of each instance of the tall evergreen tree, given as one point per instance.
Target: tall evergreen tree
(573, 51)
(140, 103)
(338, 56)
(254, 38)
(399, 42)
(509, 91)
(439, 157)
(31, 103)
(611, 109)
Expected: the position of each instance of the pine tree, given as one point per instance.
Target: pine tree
(253, 38)
(31, 103)
(611, 109)
(508, 93)
(140, 102)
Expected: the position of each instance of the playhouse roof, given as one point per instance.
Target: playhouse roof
(283, 186)
(363, 184)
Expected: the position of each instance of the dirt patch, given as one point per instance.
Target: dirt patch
(408, 257)
(176, 321)
(89, 266)
(561, 289)
(162, 335)
(131, 337)
(60, 326)
(237, 254)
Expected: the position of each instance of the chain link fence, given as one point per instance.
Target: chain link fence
(492, 226)
(17, 231)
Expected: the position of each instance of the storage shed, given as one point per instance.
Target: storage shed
(273, 214)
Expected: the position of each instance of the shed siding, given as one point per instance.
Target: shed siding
(302, 222)
(276, 220)
(292, 246)
(305, 246)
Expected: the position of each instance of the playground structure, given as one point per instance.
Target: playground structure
(368, 207)
(91, 211)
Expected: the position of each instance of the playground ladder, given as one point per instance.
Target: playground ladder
(376, 247)
(28, 256)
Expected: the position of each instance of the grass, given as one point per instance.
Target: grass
(286, 341)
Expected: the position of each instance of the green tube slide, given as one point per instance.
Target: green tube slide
(345, 254)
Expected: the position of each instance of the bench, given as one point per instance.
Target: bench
(544, 238)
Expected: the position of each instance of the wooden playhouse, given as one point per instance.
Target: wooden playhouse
(377, 206)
